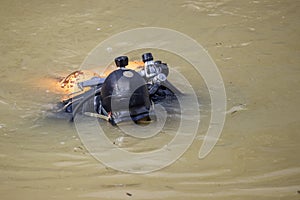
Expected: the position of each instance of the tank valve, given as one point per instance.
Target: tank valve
(121, 61)
(147, 57)
(150, 70)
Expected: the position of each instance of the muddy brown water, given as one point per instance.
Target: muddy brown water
(255, 45)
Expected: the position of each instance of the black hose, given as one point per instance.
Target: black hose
(171, 87)
(82, 102)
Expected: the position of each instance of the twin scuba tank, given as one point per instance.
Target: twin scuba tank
(126, 94)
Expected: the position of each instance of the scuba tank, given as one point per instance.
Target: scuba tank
(124, 94)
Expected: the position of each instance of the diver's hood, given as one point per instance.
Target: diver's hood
(125, 96)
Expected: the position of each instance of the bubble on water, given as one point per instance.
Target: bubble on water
(109, 49)
(119, 141)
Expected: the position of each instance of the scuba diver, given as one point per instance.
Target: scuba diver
(124, 95)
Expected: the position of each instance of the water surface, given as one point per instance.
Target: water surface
(255, 45)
